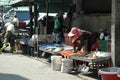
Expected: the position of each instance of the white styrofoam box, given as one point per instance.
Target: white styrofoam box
(67, 65)
(56, 62)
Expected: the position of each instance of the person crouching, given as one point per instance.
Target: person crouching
(9, 36)
(78, 38)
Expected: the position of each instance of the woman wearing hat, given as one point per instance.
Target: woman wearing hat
(77, 38)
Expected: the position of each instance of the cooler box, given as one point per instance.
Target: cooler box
(67, 65)
(56, 63)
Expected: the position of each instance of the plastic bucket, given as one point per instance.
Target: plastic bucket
(67, 65)
(110, 73)
(56, 63)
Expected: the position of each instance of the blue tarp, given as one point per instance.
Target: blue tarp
(47, 45)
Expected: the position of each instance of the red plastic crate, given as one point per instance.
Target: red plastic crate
(22, 24)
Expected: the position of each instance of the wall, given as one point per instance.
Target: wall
(92, 22)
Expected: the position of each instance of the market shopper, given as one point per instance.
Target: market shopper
(79, 39)
(9, 36)
(58, 28)
(16, 22)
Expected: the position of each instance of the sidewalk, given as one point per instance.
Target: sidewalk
(15, 66)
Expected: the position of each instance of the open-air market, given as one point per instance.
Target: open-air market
(59, 40)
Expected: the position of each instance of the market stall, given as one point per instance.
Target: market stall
(52, 48)
(93, 59)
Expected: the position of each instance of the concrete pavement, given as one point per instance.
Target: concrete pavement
(20, 67)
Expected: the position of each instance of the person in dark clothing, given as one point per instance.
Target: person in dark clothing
(68, 19)
(58, 29)
(91, 40)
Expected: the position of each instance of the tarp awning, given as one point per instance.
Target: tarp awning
(22, 3)
(54, 5)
